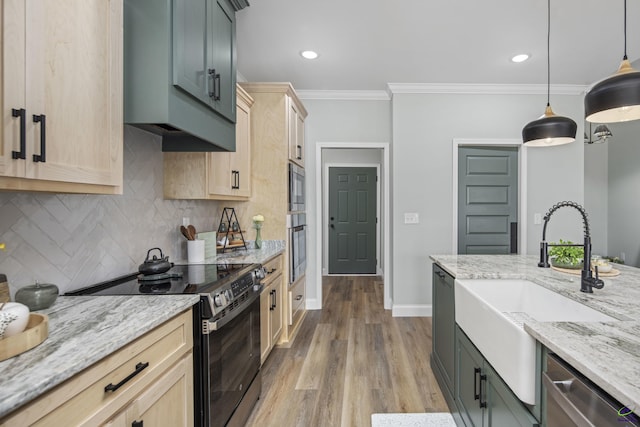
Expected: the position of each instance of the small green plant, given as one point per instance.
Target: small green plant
(567, 255)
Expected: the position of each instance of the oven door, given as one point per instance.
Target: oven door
(233, 355)
(297, 246)
(296, 188)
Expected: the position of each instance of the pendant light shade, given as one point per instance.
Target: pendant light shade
(549, 129)
(616, 99)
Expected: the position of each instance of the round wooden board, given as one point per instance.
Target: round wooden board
(578, 272)
(36, 332)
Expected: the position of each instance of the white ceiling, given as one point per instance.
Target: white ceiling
(365, 44)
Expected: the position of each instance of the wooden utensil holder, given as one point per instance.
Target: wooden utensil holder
(36, 332)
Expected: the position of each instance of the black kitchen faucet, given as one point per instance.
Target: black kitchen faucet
(588, 282)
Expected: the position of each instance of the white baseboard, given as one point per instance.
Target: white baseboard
(412, 310)
(313, 304)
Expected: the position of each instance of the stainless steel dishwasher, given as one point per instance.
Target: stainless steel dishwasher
(573, 400)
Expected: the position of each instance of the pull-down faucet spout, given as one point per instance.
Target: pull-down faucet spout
(588, 282)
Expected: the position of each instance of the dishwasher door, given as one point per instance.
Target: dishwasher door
(573, 400)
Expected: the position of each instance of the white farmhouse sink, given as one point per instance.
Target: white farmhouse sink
(488, 310)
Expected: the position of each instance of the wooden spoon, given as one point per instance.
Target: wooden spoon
(185, 232)
(192, 231)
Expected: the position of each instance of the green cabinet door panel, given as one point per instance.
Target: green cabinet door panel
(469, 364)
(222, 62)
(443, 324)
(190, 47)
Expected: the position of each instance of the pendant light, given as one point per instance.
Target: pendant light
(549, 129)
(617, 98)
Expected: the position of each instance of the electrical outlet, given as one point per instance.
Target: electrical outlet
(411, 218)
(185, 221)
(537, 218)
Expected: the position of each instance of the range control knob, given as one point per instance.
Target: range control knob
(220, 300)
(260, 273)
(229, 295)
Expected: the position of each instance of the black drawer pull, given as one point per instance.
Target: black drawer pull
(137, 424)
(483, 379)
(22, 113)
(42, 119)
(299, 297)
(476, 393)
(139, 368)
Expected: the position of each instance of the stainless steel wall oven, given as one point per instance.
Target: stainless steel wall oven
(296, 188)
(297, 226)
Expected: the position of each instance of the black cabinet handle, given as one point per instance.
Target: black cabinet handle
(137, 424)
(42, 119)
(299, 152)
(216, 87)
(22, 114)
(476, 392)
(440, 274)
(483, 379)
(139, 368)
(215, 77)
(299, 297)
(273, 270)
(271, 293)
(238, 182)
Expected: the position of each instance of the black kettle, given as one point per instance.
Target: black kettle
(155, 265)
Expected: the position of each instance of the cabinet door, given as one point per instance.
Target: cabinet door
(444, 324)
(168, 402)
(13, 86)
(220, 176)
(241, 159)
(266, 299)
(221, 57)
(74, 82)
(504, 409)
(277, 312)
(189, 47)
(296, 135)
(470, 385)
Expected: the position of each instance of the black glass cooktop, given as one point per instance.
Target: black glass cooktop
(180, 279)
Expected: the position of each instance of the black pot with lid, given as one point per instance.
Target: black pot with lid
(154, 265)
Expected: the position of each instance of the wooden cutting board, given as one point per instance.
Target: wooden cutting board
(4, 289)
(612, 273)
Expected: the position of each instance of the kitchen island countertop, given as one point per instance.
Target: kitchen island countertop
(606, 353)
(82, 330)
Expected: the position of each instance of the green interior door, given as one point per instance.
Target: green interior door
(487, 200)
(352, 220)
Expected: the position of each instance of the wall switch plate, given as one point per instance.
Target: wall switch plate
(185, 221)
(411, 218)
(537, 218)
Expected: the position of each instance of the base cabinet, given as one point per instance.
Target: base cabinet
(482, 397)
(443, 323)
(149, 380)
(271, 307)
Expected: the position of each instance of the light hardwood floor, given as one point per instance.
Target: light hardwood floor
(349, 360)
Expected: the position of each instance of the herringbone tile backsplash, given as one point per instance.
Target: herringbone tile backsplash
(76, 240)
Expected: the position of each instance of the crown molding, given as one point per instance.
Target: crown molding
(345, 95)
(485, 89)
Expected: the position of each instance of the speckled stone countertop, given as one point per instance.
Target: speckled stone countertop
(606, 353)
(82, 330)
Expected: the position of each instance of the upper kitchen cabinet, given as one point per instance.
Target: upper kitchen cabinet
(219, 175)
(180, 72)
(297, 114)
(62, 96)
(204, 52)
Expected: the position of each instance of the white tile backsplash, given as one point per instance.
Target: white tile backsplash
(75, 240)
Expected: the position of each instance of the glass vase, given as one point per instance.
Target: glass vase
(258, 241)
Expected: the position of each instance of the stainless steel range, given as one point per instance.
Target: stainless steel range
(227, 379)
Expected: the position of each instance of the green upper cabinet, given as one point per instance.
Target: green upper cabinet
(204, 53)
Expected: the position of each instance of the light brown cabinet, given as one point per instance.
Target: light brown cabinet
(275, 110)
(150, 379)
(215, 175)
(62, 99)
(296, 133)
(271, 307)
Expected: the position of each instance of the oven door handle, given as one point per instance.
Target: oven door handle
(555, 393)
(209, 325)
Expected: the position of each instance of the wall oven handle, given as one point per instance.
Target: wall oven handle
(555, 393)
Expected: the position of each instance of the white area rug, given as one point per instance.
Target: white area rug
(436, 419)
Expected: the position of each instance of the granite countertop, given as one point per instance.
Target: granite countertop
(606, 353)
(82, 330)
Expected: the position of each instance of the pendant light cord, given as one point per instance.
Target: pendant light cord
(625, 29)
(548, 50)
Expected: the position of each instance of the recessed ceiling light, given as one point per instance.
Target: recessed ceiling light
(520, 58)
(309, 54)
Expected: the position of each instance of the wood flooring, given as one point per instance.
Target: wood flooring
(349, 360)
